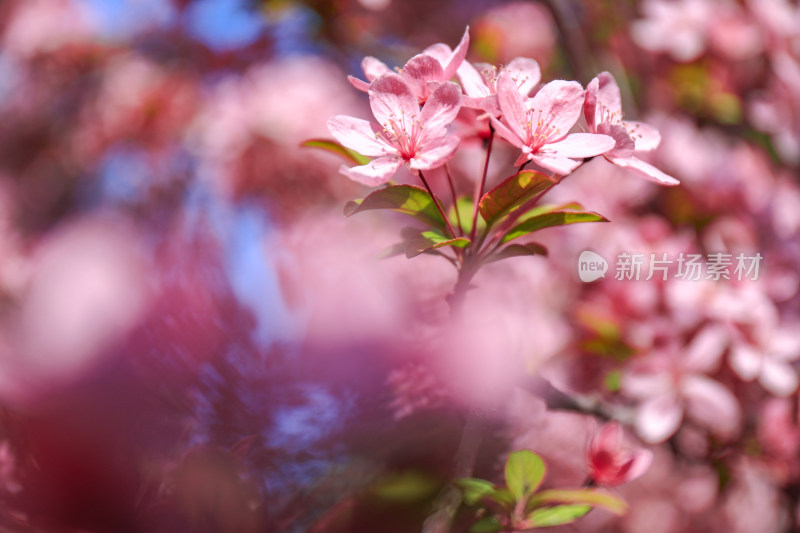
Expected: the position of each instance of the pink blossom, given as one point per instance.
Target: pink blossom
(603, 111)
(419, 138)
(610, 462)
(423, 72)
(769, 359)
(674, 383)
(677, 27)
(480, 84)
(539, 125)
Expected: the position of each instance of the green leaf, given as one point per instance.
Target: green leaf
(547, 220)
(488, 524)
(517, 250)
(431, 240)
(409, 486)
(591, 497)
(336, 148)
(524, 473)
(549, 208)
(556, 516)
(474, 490)
(408, 199)
(512, 193)
(465, 211)
(503, 498)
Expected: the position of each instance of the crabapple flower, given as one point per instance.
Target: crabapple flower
(480, 81)
(539, 125)
(610, 462)
(674, 384)
(406, 134)
(423, 73)
(769, 359)
(603, 111)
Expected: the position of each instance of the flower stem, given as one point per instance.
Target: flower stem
(482, 184)
(455, 200)
(438, 204)
(448, 502)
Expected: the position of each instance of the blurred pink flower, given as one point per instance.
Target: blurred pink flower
(419, 138)
(603, 111)
(539, 125)
(768, 358)
(423, 72)
(674, 383)
(517, 29)
(610, 462)
(676, 27)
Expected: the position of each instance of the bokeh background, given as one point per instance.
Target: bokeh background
(193, 338)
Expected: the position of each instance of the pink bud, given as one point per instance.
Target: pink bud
(610, 462)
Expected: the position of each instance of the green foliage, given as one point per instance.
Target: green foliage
(431, 240)
(407, 199)
(517, 250)
(512, 193)
(522, 506)
(336, 148)
(547, 220)
(524, 471)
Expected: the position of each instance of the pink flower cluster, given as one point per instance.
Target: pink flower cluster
(414, 108)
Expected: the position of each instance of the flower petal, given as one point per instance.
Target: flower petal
(361, 85)
(374, 68)
(419, 71)
(439, 51)
(558, 105)
(658, 418)
(356, 134)
(503, 131)
(441, 108)
(711, 404)
(778, 377)
(457, 58)
(434, 154)
(472, 81)
(582, 145)
(511, 105)
(746, 361)
(609, 101)
(705, 350)
(645, 136)
(375, 173)
(526, 73)
(641, 461)
(647, 170)
(556, 164)
(391, 99)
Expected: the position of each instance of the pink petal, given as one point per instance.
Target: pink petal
(647, 170)
(374, 68)
(556, 164)
(705, 350)
(442, 107)
(641, 461)
(579, 145)
(645, 136)
(784, 344)
(356, 134)
(419, 71)
(455, 60)
(434, 154)
(471, 80)
(590, 111)
(502, 130)
(711, 404)
(609, 438)
(624, 147)
(778, 377)
(375, 173)
(608, 97)
(361, 85)
(439, 51)
(526, 73)
(511, 105)
(746, 361)
(391, 99)
(658, 418)
(559, 105)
